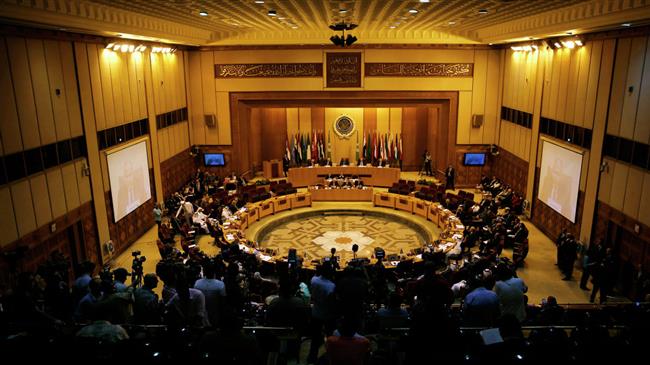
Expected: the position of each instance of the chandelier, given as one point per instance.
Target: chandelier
(343, 41)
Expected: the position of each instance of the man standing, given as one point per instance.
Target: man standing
(426, 157)
(450, 175)
(591, 259)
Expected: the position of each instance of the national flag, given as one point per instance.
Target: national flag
(364, 147)
(357, 146)
(287, 151)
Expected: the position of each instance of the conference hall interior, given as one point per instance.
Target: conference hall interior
(324, 181)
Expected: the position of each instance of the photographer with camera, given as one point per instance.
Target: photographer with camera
(136, 267)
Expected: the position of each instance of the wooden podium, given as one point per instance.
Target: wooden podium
(272, 169)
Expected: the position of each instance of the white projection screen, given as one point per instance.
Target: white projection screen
(559, 179)
(128, 170)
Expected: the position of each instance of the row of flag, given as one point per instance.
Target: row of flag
(384, 146)
(304, 147)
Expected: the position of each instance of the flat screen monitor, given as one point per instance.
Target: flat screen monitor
(128, 171)
(559, 179)
(214, 159)
(474, 159)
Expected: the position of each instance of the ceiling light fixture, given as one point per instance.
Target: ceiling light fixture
(451, 23)
(343, 11)
(483, 11)
(413, 11)
(392, 27)
(203, 13)
(626, 24)
(343, 41)
(259, 1)
(424, 1)
(272, 12)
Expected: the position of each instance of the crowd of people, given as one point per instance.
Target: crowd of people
(334, 309)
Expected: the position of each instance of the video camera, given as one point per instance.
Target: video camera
(136, 267)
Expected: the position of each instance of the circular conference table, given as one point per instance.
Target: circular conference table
(371, 176)
(448, 242)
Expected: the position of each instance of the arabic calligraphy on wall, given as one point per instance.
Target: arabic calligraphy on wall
(419, 69)
(343, 69)
(245, 70)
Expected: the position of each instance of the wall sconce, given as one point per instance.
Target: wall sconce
(604, 166)
(85, 170)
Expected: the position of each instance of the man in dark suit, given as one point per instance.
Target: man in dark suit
(344, 162)
(450, 174)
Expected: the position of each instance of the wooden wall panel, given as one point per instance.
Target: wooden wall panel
(195, 89)
(55, 78)
(41, 198)
(644, 202)
(370, 120)
(619, 183)
(632, 87)
(383, 120)
(10, 126)
(57, 192)
(633, 192)
(104, 57)
(395, 121)
(8, 222)
(618, 85)
(318, 118)
(41, 90)
(71, 92)
(255, 138)
(22, 82)
(510, 169)
(642, 125)
(21, 195)
(492, 110)
(177, 171)
(464, 117)
(83, 182)
(582, 80)
(592, 85)
(274, 122)
(209, 96)
(572, 85)
(304, 120)
(70, 186)
(96, 86)
(410, 129)
(293, 124)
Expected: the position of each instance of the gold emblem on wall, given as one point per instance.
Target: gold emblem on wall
(344, 126)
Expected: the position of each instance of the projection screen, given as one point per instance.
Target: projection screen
(128, 171)
(559, 179)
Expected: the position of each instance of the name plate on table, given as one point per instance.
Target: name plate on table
(300, 198)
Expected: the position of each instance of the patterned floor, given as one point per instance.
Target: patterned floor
(315, 236)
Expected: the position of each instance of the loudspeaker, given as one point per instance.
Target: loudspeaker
(210, 120)
(477, 120)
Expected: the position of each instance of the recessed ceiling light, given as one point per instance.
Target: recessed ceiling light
(483, 11)
(424, 1)
(259, 1)
(203, 13)
(393, 27)
(281, 18)
(626, 24)
(413, 11)
(489, 44)
(343, 11)
(272, 13)
(294, 26)
(452, 23)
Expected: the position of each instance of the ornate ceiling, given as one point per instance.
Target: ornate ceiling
(246, 22)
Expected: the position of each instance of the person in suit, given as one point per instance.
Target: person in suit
(361, 162)
(426, 158)
(285, 165)
(328, 162)
(344, 162)
(450, 175)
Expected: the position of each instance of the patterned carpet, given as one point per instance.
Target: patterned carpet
(315, 235)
